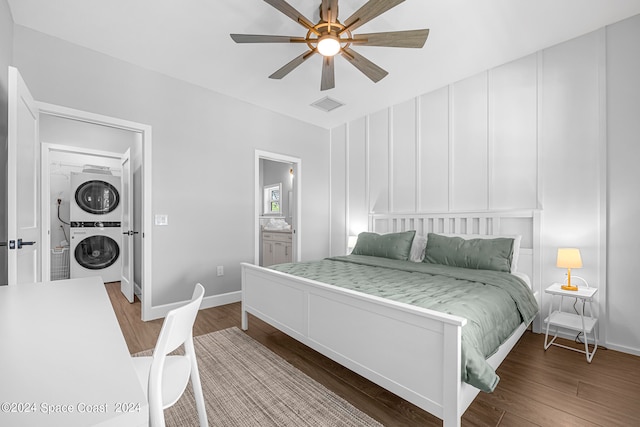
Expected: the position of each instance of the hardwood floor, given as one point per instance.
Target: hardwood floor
(556, 387)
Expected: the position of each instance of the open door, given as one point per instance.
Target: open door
(126, 283)
(23, 160)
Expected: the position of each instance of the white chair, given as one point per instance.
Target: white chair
(163, 377)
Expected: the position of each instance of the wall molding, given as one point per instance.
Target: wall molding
(491, 137)
(603, 306)
(450, 181)
(418, 154)
(391, 168)
(367, 161)
(347, 182)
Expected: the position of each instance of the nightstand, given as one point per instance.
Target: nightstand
(576, 322)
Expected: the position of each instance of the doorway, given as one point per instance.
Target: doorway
(277, 208)
(90, 132)
(61, 168)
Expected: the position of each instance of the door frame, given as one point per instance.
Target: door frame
(297, 167)
(147, 229)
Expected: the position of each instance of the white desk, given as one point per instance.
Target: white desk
(62, 352)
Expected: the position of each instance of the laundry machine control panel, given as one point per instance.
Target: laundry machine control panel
(95, 224)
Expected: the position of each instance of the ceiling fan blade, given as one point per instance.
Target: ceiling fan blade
(367, 67)
(291, 12)
(328, 75)
(289, 67)
(410, 38)
(368, 11)
(256, 38)
(329, 10)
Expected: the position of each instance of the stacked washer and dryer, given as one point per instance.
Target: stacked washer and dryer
(96, 224)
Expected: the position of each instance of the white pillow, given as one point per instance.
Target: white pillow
(516, 243)
(418, 246)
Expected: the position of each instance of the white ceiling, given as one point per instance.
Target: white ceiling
(189, 40)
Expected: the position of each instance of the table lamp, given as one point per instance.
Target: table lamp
(569, 258)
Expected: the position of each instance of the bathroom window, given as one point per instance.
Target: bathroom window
(272, 199)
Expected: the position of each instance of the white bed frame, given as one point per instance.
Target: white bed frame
(410, 351)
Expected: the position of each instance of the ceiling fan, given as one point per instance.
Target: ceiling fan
(329, 37)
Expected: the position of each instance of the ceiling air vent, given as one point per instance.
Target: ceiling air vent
(327, 104)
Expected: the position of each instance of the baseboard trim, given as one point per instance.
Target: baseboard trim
(222, 299)
(610, 346)
(622, 349)
(211, 301)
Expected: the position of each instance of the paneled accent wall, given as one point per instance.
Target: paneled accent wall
(570, 118)
(623, 154)
(513, 129)
(434, 151)
(532, 133)
(338, 199)
(402, 144)
(470, 146)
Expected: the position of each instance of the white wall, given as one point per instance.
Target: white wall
(527, 134)
(75, 133)
(6, 57)
(623, 153)
(203, 159)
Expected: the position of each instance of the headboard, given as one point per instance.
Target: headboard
(523, 222)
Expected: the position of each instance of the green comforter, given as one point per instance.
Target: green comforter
(494, 303)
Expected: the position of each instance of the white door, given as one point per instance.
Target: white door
(23, 158)
(126, 283)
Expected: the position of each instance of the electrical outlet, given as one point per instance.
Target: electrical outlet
(162, 219)
(220, 270)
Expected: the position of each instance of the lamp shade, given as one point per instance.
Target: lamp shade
(569, 258)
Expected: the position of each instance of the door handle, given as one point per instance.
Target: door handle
(21, 243)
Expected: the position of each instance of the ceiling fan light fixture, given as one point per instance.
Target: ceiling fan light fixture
(328, 45)
(329, 36)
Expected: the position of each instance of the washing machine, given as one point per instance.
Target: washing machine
(95, 197)
(95, 250)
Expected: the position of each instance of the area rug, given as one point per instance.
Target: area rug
(245, 384)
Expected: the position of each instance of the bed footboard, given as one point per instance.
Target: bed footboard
(410, 351)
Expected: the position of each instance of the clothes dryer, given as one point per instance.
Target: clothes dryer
(95, 197)
(95, 250)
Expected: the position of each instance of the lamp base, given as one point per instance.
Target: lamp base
(569, 287)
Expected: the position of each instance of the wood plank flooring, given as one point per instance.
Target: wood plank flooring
(556, 387)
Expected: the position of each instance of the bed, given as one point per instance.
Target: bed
(412, 351)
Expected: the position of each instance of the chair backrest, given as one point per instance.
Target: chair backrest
(178, 324)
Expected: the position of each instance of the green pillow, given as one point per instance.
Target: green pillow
(392, 245)
(482, 254)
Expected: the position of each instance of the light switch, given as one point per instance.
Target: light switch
(162, 219)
